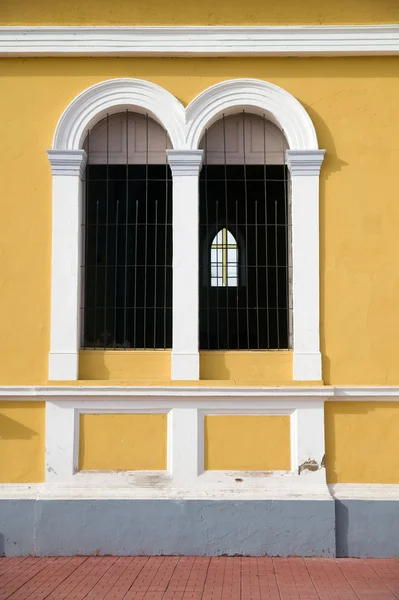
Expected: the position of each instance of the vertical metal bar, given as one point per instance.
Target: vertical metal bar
(286, 231)
(106, 241)
(227, 229)
(266, 232)
(246, 224)
(276, 250)
(166, 246)
(217, 278)
(96, 280)
(155, 273)
(116, 269)
(135, 276)
(238, 283)
(86, 234)
(257, 274)
(146, 232)
(208, 252)
(126, 233)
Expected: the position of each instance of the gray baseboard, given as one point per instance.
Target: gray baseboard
(367, 528)
(167, 527)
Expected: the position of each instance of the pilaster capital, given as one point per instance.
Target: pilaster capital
(305, 163)
(67, 162)
(185, 163)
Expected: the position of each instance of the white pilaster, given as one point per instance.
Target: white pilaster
(304, 166)
(184, 448)
(67, 169)
(62, 441)
(307, 440)
(185, 166)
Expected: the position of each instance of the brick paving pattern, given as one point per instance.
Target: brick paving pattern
(197, 578)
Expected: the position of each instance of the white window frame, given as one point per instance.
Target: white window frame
(185, 127)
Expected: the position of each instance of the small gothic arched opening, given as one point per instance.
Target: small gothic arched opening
(244, 236)
(127, 235)
(224, 259)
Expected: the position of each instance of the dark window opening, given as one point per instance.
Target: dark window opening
(127, 269)
(250, 202)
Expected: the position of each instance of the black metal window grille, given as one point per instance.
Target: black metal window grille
(245, 238)
(127, 236)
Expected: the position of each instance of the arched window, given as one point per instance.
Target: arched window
(127, 272)
(245, 300)
(224, 260)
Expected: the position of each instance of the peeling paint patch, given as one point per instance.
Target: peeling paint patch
(309, 465)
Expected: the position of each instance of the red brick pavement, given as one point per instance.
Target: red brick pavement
(197, 578)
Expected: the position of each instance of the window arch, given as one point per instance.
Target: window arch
(127, 268)
(244, 209)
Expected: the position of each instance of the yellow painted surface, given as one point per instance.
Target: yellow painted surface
(123, 442)
(353, 104)
(22, 444)
(207, 12)
(362, 442)
(246, 367)
(124, 365)
(250, 443)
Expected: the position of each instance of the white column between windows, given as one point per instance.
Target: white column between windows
(67, 169)
(304, 166)
(185, 166)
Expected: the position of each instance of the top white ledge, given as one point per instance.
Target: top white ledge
(323, 40)
(336, 393)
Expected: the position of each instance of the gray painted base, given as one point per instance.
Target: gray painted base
(367, 528)
(167, 527)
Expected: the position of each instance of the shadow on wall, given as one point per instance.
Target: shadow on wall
(12, 430)
(341, 529)
(332, 164)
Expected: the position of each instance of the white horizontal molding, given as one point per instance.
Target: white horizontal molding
(121, 486)
(364, 491)
(144, 393)
(143, 396)
(200, 41)
(120, 394)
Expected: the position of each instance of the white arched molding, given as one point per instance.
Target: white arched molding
(68, 160)
(185, 128)
(304, 161)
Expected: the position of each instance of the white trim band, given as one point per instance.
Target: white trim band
(341, 40)
(364, 491)
(196, 394)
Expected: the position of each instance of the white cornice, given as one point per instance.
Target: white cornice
(182, 392)
(342, 40)
(319, 392)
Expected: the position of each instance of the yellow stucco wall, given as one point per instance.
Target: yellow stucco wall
(243, 442)
(126, 365)
(126, 442)
(247, 367)
(22, 426)
(362, 442)
(353, 104)
(175, 12)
